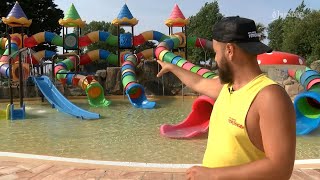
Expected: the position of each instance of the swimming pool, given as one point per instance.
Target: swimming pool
(124, 133)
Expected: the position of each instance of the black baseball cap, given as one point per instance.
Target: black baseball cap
(241, 31)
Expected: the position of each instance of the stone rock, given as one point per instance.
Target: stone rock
(101, 76)
(148, 70)
(300, 89)
(5, 92)
(74, 91)
(288, 81)
(101, 73)
(277, 74)
(156, 88)
(293, 97)
(293, 89)
(315, 65)
(60, 87)
(30, 92)
(147, 76)
(280, 83)
(113, 81)
(186, 91)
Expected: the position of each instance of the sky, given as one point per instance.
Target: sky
(152, 13)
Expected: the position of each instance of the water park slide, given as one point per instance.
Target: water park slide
(58, 101)
(195, 124)
(133, 90)
(93, 89)
(93, 37)
(307, 109)
(307, 103)
(198, 120)
(4, 57)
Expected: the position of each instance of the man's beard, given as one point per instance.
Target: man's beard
(225, 72)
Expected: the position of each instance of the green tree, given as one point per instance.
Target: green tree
(201, 26)
(304, 40)
(301, 32)
(275, 34)
(44, 15)
(289, 33)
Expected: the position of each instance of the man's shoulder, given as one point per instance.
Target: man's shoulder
(273, 94)
(274, 101)
(274, 89)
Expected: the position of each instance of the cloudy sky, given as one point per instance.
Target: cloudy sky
(152, 13)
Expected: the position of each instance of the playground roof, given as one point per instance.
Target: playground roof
(176, 18)
(72, 18)
(125, 17)
(17, 17)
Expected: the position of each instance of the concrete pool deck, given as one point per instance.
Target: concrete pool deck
(26, 166)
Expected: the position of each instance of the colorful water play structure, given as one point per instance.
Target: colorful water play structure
(307, 104)
(65, 68)
(11, 66)
(126, 59)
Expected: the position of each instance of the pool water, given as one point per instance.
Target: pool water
(124, 133)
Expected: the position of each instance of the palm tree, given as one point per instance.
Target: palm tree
(261, 29)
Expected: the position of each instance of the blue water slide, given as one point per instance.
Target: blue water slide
(141, 101)
(57, 100)
(135, 92)
(307, 112)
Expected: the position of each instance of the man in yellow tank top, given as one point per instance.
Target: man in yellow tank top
(252, 125)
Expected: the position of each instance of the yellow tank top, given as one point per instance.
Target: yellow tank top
(228, 141)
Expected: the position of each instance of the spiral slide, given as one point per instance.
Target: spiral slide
(4, 60)
(125, 39)
(307, 103)
(195, 124)
(135, 91)
(93, 37)
(41, 37)
(93, 89)
(99, 54)
(198, 121)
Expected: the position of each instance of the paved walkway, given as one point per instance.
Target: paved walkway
(19, 168)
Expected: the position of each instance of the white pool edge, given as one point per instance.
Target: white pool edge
(124, 164)
(94, 162)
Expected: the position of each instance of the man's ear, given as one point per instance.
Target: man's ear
(230, 50)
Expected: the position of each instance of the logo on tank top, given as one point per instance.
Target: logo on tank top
(235, 123)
